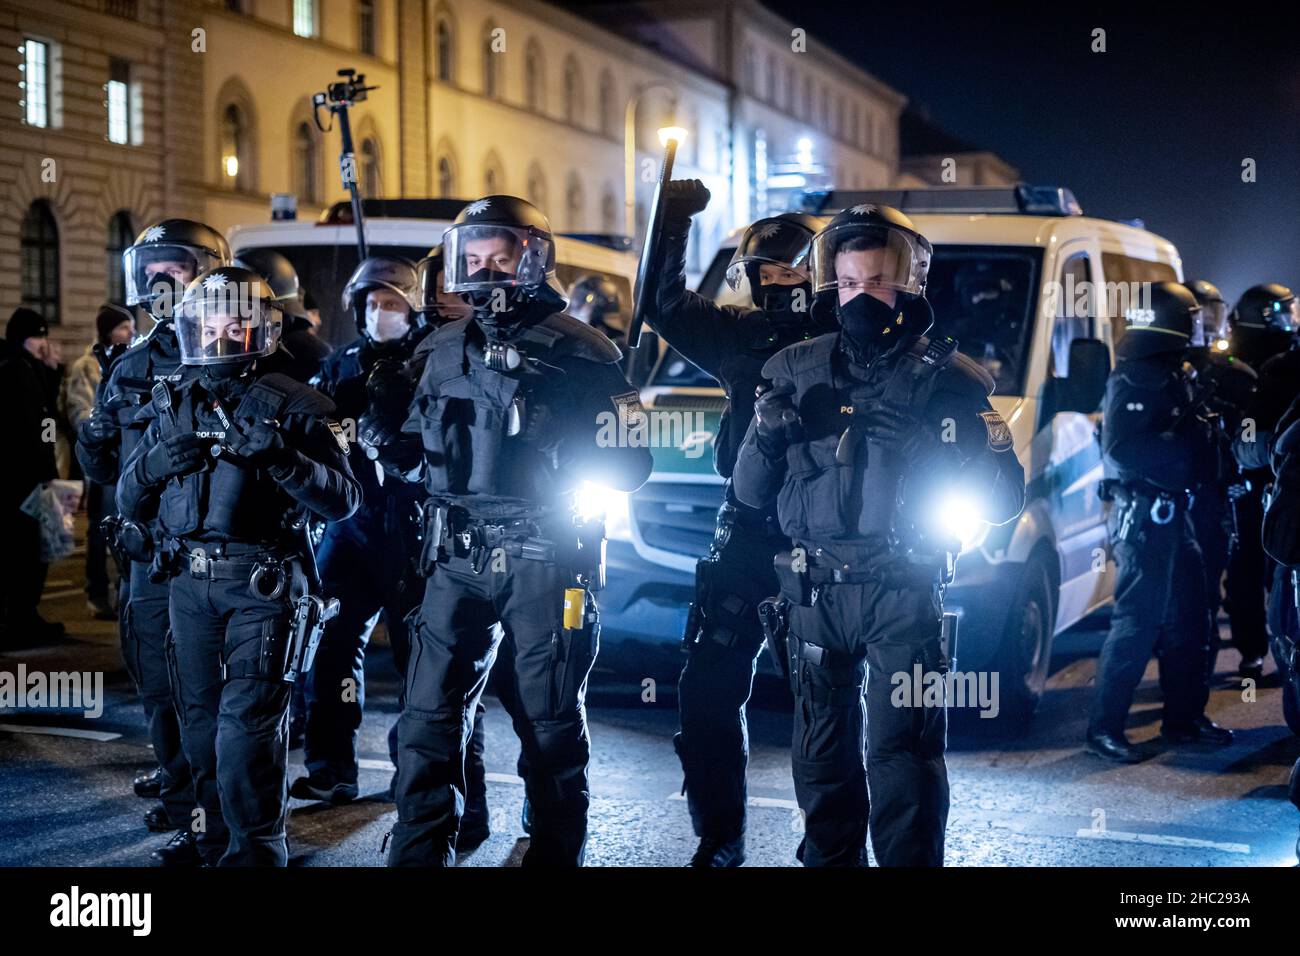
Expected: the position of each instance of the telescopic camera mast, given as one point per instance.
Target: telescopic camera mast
(338, 98)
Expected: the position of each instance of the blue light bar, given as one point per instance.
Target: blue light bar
(1020, 200)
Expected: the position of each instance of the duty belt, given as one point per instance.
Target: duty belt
(731, 518)
(267, 572)
(1162, 505)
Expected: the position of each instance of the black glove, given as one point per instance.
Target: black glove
(178, 455)
(97, 430)
(388, 387)
(683, 198)
(896, 428)
(260, 444)
(776, 421)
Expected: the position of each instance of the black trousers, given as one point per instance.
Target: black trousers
(146, 634)
(235, 730)
(454, 645)
(877, 633)
(1212, 525)
(717, 680)
(1248, 576)
(24, 578)
(1160, 607)
(98, 506)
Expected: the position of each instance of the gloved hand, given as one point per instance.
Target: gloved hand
(897, 429)
(97, 430)
(776, 420)
(388, 387)
(683, 198)
(376, 431)
(260, 444)
(178, 455)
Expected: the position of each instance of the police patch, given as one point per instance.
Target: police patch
(339, 437)
(630, 410)
(998, 429)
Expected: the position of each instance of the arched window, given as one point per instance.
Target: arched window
(121, 233)
(445, 45)
(747, 70)
(807, 99)
(609, 214)
(608, 105)
(771, 78)
(575, 203)
(494, 178)
(446, 177)
(366, 26)
(534, 77)
(306, 163)
(236, 164)
(790, 93)
(573, 105)
(491, 60)
(370, 173)
(537, 187)
(40, 261)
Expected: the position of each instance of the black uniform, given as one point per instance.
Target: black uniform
(145, 628)
(724, 633)
(218, 524)
(1158, 451)
(1281, 539)
(1227, 384)
(858, 604)
(501, 453)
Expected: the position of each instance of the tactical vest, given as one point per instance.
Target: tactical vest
(154, 360)
(465, 410)
(228, 500)
(838, 486)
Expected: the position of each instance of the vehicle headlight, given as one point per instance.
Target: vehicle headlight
(599, 501)
(959, 516)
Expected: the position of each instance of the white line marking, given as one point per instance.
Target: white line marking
(100, 735)
(777, 802)
(1161, 839)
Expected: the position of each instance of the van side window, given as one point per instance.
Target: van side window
(1124, 278)
(1075, 311)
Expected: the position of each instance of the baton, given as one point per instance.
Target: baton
(647, 272)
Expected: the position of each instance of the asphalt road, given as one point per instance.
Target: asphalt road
(1036, 800)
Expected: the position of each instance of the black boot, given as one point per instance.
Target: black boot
(720, 853)
(181, 850)
(326, 790)
(1113, 747)
(149, 784)
(1200, 731)
(156, 820)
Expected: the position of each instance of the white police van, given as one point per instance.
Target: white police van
(1020, 277)
(324, 252)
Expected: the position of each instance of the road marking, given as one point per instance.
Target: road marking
(371, 764)
(1161, 839)
(100, 735)
(777, 802)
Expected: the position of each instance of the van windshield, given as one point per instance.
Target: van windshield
(324, 270)
(982, 296)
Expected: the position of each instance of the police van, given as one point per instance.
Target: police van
(324, 252)
(1034, 291)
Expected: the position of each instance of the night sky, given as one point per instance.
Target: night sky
(1154, 128)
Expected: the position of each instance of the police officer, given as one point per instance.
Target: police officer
(1225, 384)
(1264, 324)
(235, 461)
(165, 257)
(594, 299)
(515, 408)
(1159, 450)
(301, 353)
(724, 635)
(861, 439)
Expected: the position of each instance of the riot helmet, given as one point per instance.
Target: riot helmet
(771, 259)
(165, 258)
(227, 318)
(279, 273)
(1160, 321)
(382, 296)
(435, 302)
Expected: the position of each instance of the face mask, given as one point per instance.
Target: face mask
(781, 298)
(383, 325)
(864, 319)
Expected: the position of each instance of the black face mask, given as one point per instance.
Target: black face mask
(779, 299)
(864, 319)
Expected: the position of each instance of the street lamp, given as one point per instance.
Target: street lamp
(629, 156)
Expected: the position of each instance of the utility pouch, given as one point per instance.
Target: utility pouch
(774, 614)
(433, 532)
(796, 586)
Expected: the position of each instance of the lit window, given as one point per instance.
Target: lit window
(304, 18)
(119, 101)
(36, 82)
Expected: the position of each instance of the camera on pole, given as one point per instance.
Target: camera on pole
(338, 98)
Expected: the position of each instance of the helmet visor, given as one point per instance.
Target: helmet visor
(226, 324)
(489, 257)
(157, 273)
(866, 257)
(769, 242)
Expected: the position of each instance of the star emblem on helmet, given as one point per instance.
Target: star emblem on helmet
(215, 281)
(153, 233)
(863, 209)
(767, 230)
(477, 206)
